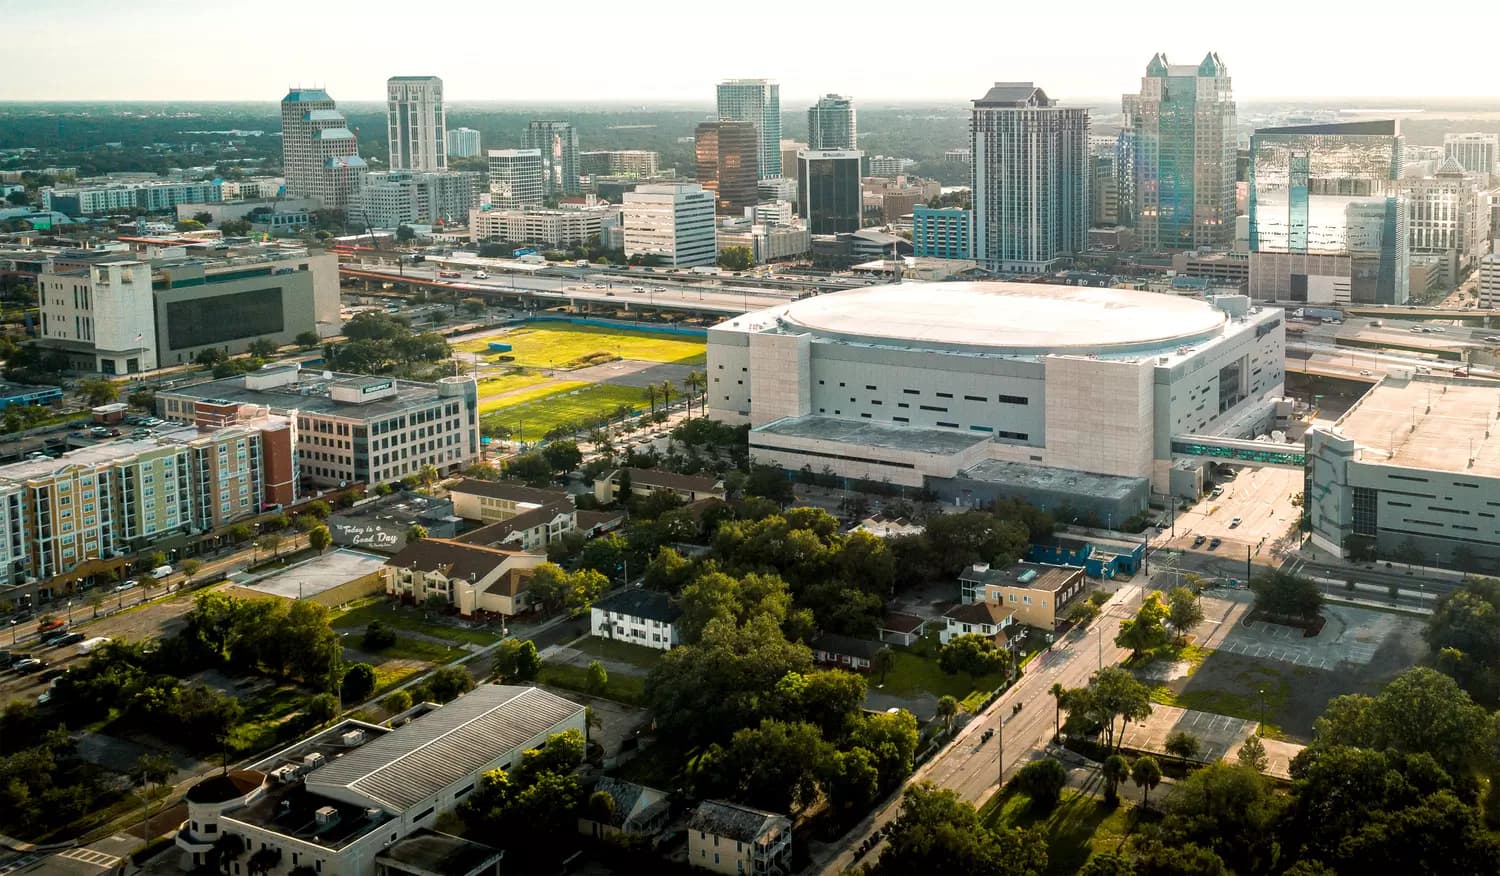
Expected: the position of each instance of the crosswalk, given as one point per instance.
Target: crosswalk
(89, 856)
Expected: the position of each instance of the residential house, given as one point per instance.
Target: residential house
(728, 838)
(845, 652)
(882, 526)
(901, 629)
(493, 501)
(473, 578)
(639, 810)
(596, 523)
(530, 530)
(987, 619)
(640, 617)
(1034, 592)
(645, 481)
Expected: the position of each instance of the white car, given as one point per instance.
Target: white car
(481, 275)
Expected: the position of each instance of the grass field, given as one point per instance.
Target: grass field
(580, 405)
(916, 671)
(1080, 825)
(408, 619)
(625, 652)
(491, 386)
(489, 406)
(621, 687)
(554, 345)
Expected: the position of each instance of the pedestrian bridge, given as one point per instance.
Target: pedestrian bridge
(1238, 451)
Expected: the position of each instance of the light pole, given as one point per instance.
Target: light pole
(1261, 730)
(1001, 732)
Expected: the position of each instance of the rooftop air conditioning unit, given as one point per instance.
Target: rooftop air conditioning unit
(313, 761)
(353, 737)
(325, 816)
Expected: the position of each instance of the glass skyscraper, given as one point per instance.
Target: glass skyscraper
(757, 101)
(1181, 131)
(828, 191)
(558, 143)
(726, 153)
(1327, 217)
(830, 123)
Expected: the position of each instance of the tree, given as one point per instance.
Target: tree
(1042, 781)
(1229, 809)
(1465, 632)
(1147, 630)
(99, 391)
(190, 567)
(189, 225)
(1183, 610)
(1112, 693)
(1280, 594)
(265, 348)
(516, 660)
(415, 532)
(322, 708)
(428, 475)
(378, 637)
(1421, 711)
(144, 399)
(1114, 770)
(562, 456)
(1146, 773)
(319, 538)
(596, 678)
(150, 773)
(947, 710)
(1253, 754)
(203, 217)
(736, 258)
(396, 702)
(448, 683)
(271, 541)
(973, 654)
(531, 468)
(359, 681)
(307, 340)
(405, 234)
(1183, 745)
(851, 779)
(937, 832)
(774, 765)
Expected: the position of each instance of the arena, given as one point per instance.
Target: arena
(1062, 395)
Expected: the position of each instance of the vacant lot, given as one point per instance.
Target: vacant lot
(556, 346)
(521, 395)
(586, 404)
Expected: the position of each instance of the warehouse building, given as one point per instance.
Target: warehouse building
(978, 390)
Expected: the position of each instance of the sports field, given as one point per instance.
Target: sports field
(562, 346)
(491, 404)
(584, 403)
(489, 386)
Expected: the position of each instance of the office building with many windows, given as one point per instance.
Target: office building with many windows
(726, 153)
(829, 197)
(1182, 124)
(1031, 175)
(620, 162)
(320, 155)
(831, 125)
(1476, 153)
(941, 233)
(757, 101)
(352, 428)
(536, 225)
(391, 199)
(463, 143)
(674, 222)
(416, 127)
(1328, 219)
(153, 197)
(558, 144)
(1448, 216)
(517, 178)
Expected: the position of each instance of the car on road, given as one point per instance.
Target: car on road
(449, 275)
(70, 639)
(27, 666)
(481, 275)
(1364, 373)
(1216, 492)
(1236, 522)
(1198, 542)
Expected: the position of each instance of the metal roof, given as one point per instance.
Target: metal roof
(414, 762)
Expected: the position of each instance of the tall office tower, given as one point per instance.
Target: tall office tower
(320, 155)
(1489, 281)
(558, 143)
(1182, 122)
(1327, 217)
(828, 191)
(1448, 215)
(674, 222)
(1030, 179)
(1478, 153)
(414, 116)
(516, 178)
(757, 101)
(1104, 181)
(830, 123)
(727, 164)
(463, 142)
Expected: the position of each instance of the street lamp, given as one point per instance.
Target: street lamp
(1261, 730)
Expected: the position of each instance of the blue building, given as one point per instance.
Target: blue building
(13, 394)
(941, 233)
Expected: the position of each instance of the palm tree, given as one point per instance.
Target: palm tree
(667, 388)
(697, 382)
(947, 710)
(651, 391)
(1057, 691)
(428, 475)
(1146, 773)
(1114, 770)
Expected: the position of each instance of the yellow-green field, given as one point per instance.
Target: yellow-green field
(506, 382)
(492, 404)
(583, 404)
(554, 346)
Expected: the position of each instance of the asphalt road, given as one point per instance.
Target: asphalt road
(971, 767)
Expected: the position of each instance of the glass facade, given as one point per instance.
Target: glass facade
(726, 153)
(757, 101)
(940, 233)
(828, 192)
(1328, 191)
(830, 124)
(199, 322)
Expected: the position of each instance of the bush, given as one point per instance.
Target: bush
(378, 637)
(359, 681)
(1042, 781)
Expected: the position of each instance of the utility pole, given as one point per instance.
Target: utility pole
(1248, 573)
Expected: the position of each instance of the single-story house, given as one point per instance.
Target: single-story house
(1036, 593)
(639, 617)
(645, 481)
(638, 811)
(732, 839)
(985, 618)
(471, 577)
(845, 652)
(901, 629)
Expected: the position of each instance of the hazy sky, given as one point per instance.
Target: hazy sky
(590, 50)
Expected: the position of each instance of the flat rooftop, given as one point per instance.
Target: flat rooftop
(309, 392)
(1429, 422)
(316, 575)
(111, 449)
(868, 433)
(1041, 477)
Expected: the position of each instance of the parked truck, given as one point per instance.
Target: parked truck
(88, 645)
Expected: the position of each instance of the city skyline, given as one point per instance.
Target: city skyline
(1094, 63)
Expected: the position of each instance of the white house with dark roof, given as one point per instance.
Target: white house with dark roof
(988, 619)
(360, 798)
(645, 481)
(729, 838)
(639, 617)
(638, 810)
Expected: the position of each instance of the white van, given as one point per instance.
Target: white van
(161, 571)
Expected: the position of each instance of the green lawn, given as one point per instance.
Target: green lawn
(915, 671)
(625, 652)
(408, 648)
(624, 688)
(586, 404)
(488, 406)
(493, 386)
(410, 620)
(1080, 825)
(388, 676)
(554, 345)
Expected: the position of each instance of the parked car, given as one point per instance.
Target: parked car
(1236, 522)
(1198, 542)
(1215, 542)
(28, 666)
